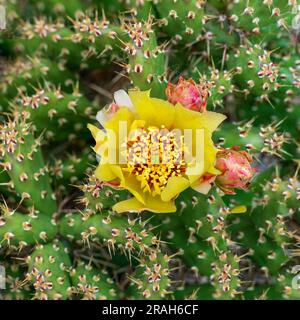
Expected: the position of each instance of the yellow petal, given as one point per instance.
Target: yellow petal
(120, 121)
(100, 137)
(154, 205)
(95, 131)
(186, 118)
(201, 187)
(238, 209)
(210, 157)
(194, 178)
(155, 112)
(195, 170)
(174, 186)
(130, 205)
(104, 172)
(123, 114)
(211, 120)
(117, 129)
(137, 124)
(189, 119)
(192, 120)
(213, 170)
(134, 186)
(129, 183)
(102, 148)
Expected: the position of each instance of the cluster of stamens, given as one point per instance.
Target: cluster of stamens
(154, 156)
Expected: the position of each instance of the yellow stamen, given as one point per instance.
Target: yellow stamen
(154, 157)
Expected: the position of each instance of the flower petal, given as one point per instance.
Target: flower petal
(122, 99)
(201, 187)
(185, 118)
(174, 186)
(155, 204)
(122, 115)
(129, 183)
(102, 117)
(100, 138)
(211, 120)
(195, 170)
(117, 129)
(130, 205)
(189, 119)
(94, 130)
(104, 172)
(137, 124)
(155, 112)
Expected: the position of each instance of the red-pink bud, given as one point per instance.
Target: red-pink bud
(236, 170)
(189, 94)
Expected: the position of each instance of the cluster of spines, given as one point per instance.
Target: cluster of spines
(113, 231)
(48, 271)
(182, 21)
(146, 65)
(254, 71)
(204, 244)
(284, 286)
(23, 75)
(57, 109)
(262, 19)
(15, 288)
(90, 283)
(265, 234)
(152, 278)
(21, 157)
(19, 230)
(70, 169)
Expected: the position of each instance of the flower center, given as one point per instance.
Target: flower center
(154, 156)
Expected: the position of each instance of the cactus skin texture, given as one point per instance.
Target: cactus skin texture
(255, 72)
(111, 230)
(152, 276)
(92, 284)
(146, 57)
(20, 230)
(23, 160)
(48, 271)
(185, 20)
(15, 288)
(63, 61)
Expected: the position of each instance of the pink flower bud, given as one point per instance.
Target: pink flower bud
(189, 94)
(236, 170)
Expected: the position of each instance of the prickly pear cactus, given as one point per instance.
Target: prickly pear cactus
(150, 149)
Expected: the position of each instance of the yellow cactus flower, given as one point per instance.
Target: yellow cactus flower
(133, 121)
